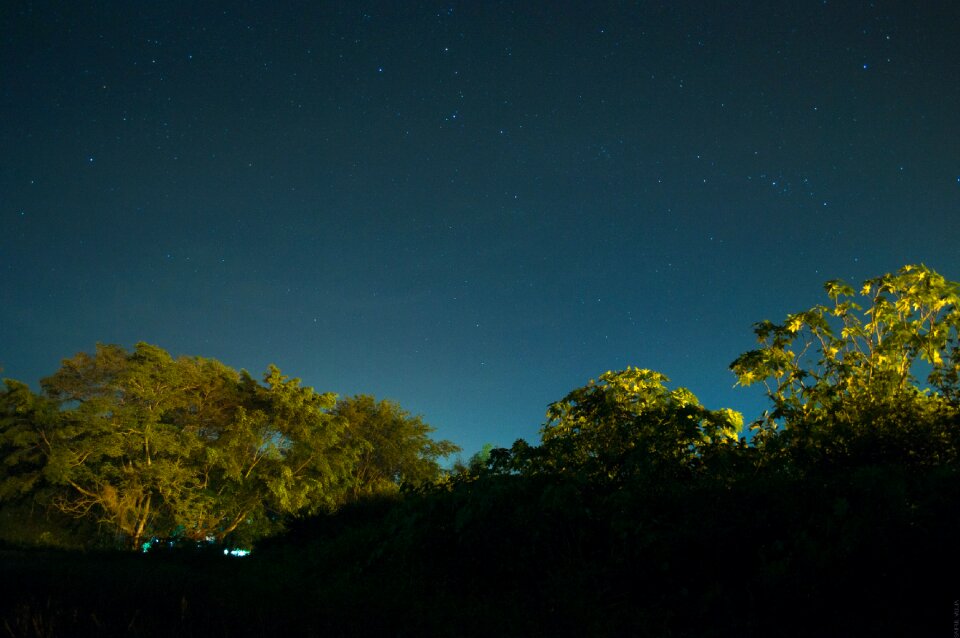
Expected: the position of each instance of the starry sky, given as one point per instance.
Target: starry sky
(471, 207)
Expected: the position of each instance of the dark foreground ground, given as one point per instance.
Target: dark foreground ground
(871, 553)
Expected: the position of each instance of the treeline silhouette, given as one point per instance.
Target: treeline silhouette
(639, 513)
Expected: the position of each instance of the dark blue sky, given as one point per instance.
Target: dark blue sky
(469, 207)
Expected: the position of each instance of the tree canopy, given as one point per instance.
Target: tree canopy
(638, 512)
(844, 382)
(149, 445)
(392, 447)
(623, 427)
(848, 372)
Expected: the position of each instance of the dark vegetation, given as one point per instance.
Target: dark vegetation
(639, 513)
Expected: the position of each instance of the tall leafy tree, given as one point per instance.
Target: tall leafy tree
(113, 446)
(851, 368)
(150, 445)
(268, 450)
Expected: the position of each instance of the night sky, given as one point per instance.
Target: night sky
(471, 208)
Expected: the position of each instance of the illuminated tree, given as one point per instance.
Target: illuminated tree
(627, 425)
(268, 450)
(152, 446)
(853, 368)
(111, 446)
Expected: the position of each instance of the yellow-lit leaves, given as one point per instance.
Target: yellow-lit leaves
(628, 420)
(794, 324)
(836, 288)
(910, 314)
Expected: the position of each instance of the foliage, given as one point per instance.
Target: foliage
(624, 427)
(838, 373)
(640, 512)
(392, 447)
(114, 451)
(273, 450)
(477, 462)
(151, 446)
(24, 418)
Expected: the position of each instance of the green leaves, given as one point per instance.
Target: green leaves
(628, 424)
(392, 447)
(836, 288)
(149, 445)
(831, 365)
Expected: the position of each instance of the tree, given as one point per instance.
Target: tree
(24, 516)
(24, 417)
(391, 446)
(848, 370)
(625, 426)
(269, 450)
(113, 447)
(153, 446)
